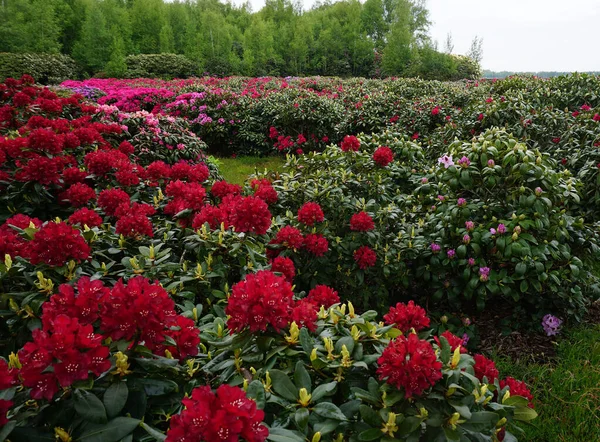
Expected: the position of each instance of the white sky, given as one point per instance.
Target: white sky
(518, 35)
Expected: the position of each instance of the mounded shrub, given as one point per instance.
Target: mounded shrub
(165, 66)
(45, 68)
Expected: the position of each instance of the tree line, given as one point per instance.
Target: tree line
(344, 38)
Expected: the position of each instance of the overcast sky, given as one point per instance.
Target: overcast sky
(518, 35)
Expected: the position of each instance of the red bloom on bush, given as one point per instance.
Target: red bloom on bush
(383, 156)
(78, 194)
(407, 316)
(212, 215)
(304, 314)
(453, 340)
(126, 148)
(365, 257)
(85, 217)
(261, 299)
(485, 367)
(350, 143)
(250, 214)
(73, 175)
(323, 295)
(517, 388)
(111, 199)
(4, 407)
(134, 226)
(227, 415)
(101, 162)
(284, 266)
(310, 213)
(158, 170)
(57, 243)
(265, 191)
(273, 133)
(42, 170)
(409, 363)
(289, 237)
(221, 189)
(316, 244)
(361, 222)
(45, 140)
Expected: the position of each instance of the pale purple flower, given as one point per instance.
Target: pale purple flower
(466, 322)
(493, 231)
(465, 339)
(451, 253)
(461, 202)
(491, 163)
(538, 191)
(501, 229)
(471, 262)
(435, 248)
(551, 324)
(464, 162)
(446, 160)
(484, 274)
(466, 239)
(424, 180)
(442, 198)
(469, 225)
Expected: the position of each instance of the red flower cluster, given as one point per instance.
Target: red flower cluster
(226, 415)
(110, 200)
(220, 189)
(323, 295)
(361, 222)
(70, 348)
(383, 156)
(212, 215)
(137, 310)
(407, 316)
(304, 314)
(517, 388)
(4, 408)
(11, 243)
(85, 217)
(185, 196)
(250, 214)
(310, 213)
(78, 194)
(289, 237)
(284, 266)
(411, 364)
(350, 143)
(365, 257)
(57, 243)
(260, 300)
(264, 190)
(485, 367)
(453, 340)
(316, 244)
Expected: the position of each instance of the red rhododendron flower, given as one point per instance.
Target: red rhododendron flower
(409, 363)
(227, 415)
(266, 192)
(407, 316)
(158, 170)
(361, 222)
(45, 140)
(304, 314)
(8, 376)
(42, 170)
(4, 407)
(78, 194)
(383, 156)
(316, 244)
(101, 162)
(134, 226)
(365, 257)
(85, 217)
(284, 266)
(485, 367)
(350, 143)
(453, 340)
(212, 215)
(323, 295)
(57, 243)
(127, 148)
(517, 388)
(250, 214)
(310, 213)
(261, 299)
(289, 237)
(73, 175)
(221, 189)
(111, 199)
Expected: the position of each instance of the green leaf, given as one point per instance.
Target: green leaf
(370, 416)
(283, 435)
(516, 401)
(256, 391)
(306, 340)
(157, 387)
(323, 390)
(115, 398)
(7, 429)
(525, 414)
(301, 377)
(301, 417)
(409, 425)
(283, 385)
(89, 407)
(113, 431)
(157, 435)
(329, 411)
(370, 434)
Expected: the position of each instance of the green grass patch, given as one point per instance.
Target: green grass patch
(566, 392)
(236, 170)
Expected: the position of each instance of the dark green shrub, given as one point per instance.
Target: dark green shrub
(160, 65)
(45, 68)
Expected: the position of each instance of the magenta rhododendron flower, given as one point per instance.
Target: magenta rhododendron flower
(551, 324)
(461, 202)
(484, 274)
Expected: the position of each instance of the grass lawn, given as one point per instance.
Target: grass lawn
(236, 170)
(566, 392)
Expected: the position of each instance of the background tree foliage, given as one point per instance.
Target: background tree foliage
(344, 38)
